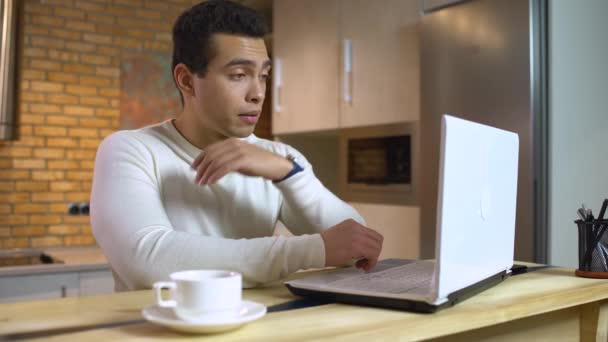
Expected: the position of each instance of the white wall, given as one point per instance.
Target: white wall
(578, 115)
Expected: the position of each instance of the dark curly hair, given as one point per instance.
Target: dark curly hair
(193, 30)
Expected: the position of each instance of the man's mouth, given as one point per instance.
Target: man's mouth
(250, 118)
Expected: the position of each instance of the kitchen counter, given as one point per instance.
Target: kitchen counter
(548, 304)
(72, 259)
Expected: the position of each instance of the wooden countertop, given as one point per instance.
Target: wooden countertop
(78, 255)
(73, 259)
(517, 297)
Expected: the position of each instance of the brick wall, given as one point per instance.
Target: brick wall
(68, 101)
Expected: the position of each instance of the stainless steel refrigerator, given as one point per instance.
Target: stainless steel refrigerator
(485, 60)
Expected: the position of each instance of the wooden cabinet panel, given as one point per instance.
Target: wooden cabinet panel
(399, 225)
(305, 77)
(384, 80)
(313, 87)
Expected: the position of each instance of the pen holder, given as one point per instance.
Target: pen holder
(592, 249)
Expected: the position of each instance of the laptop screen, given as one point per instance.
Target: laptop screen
(476, 203)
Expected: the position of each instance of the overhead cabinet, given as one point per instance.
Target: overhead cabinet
(344, 63)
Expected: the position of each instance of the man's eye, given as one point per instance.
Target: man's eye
(264, 77)
(237, 76)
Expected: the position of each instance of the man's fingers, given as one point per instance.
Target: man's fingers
(364, 230)
(220, 167)
(370, 246)
(215, 155)
(370, 263)
(207, 169)
(198, 160)
(207, 162)
(229, 166)
(373, 234)
(366, 264)
(212, 150)
(368, 249)
(372, 250)
(202, 167)
(366, 241)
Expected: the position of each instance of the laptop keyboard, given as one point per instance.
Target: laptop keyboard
(414, 277)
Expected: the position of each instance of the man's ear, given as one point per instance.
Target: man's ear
(184, 79)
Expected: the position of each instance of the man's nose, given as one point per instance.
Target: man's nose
(256, 92)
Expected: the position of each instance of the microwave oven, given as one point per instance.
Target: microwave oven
(378, 164)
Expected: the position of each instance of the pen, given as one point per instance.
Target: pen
(581, 213)
(585, 211)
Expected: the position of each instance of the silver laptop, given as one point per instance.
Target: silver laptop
(475, 230)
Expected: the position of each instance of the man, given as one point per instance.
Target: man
(201, 191)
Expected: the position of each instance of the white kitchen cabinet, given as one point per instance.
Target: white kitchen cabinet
(344, 63)
(96, 282)
(39, 286)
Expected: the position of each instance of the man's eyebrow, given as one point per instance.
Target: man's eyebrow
(246, 62)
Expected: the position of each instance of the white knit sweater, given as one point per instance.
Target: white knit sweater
(150, 218)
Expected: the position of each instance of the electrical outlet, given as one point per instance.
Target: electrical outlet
(73, 209)
(83, 207)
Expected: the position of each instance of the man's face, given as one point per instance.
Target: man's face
(228, 99)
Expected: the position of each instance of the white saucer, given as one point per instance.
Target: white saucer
(249, 311)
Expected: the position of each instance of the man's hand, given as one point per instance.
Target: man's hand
(235, 155)
(349, 240)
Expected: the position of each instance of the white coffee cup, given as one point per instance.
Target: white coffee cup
(196, 294)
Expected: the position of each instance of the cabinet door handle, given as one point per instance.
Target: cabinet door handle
(277, 81)
(348, 70)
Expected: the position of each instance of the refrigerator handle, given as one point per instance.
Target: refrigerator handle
(277, 81)
(348, 71)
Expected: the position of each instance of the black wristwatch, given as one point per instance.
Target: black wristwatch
(296, 168)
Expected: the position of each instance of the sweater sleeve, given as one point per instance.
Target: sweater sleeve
(130, 225)
(308, 206)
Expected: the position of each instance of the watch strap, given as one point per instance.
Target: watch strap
(296, 168)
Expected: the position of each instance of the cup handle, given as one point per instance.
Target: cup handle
(158, 286)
